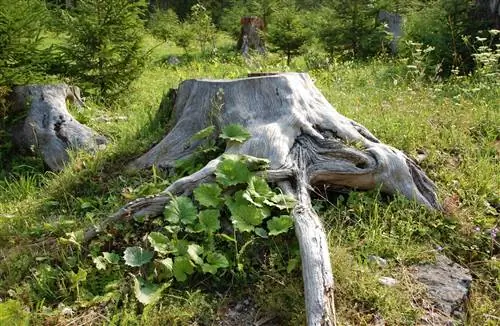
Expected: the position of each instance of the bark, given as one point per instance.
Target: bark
(49, 129)
(308, 144)
(250, 37)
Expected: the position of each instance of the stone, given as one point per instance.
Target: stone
(377, 260)
(387, 281)
(448, 284)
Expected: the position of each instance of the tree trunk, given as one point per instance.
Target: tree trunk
(308, 144)
(250, 37)
(49, 128)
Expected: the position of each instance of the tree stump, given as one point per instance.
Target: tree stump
(308, 144)
(250, 35)
(49, 129)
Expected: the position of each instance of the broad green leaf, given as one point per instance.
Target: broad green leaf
(160, 242)
(180, 209)
(281, 201)
(182, 268)
(172, 229)
(255, 163)
(180, 247)
(209, 219)
(147, 293)
(257, 191)
(76, 278)
(136, 256)
(261, 232)
(258, 187)
(203, 133)
(168, 263)
(194, 251)
(208, 195)
(230, 172)
(111, 257)
(278, 225)
(244, 215)
(100, 262)
(214, 261)
(235, 132)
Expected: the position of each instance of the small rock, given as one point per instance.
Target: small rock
(387, 281)
(447, 283)
(173, 60)
(377, 260)
(67, 311)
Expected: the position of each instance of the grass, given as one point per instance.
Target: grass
(454, 122)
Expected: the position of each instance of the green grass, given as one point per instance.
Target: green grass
(455, 122)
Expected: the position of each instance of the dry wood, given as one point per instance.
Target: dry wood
(307, 142)
(49, 128)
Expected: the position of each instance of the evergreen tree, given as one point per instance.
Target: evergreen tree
(288, 33)
(164, 24)
(103, 45)
(21, 24)
(351, 28)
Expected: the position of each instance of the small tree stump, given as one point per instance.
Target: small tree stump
(49, 129)
(308, 144)
(250, 35)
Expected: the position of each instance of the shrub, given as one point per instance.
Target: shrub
(351, 29)
(103, 45)
(288, 33)
(164, 24)
(21, 25)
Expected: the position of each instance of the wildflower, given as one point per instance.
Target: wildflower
(439, 248)
(477, 229)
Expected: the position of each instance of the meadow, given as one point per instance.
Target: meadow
(47, 277)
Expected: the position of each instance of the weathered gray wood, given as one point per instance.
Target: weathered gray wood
(307, 142)
(49, 128)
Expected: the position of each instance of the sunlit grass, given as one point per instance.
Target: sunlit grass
(456, 124)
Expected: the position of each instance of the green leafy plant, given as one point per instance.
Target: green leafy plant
(191, 237)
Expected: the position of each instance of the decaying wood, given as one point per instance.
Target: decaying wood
(49, 128)
(307, 142)
(250, 35)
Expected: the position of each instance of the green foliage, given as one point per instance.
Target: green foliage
(21, 26)
(232, 171)
(164, 25)
(451, 28)
(102, 46)
(208, 195)
(234, 133)
(146, 293)
(180, 209)
(350, 30)
(136, 256)
(202, 27)
(288, 33)
(13, 313)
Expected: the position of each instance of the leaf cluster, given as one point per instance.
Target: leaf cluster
(192, 236)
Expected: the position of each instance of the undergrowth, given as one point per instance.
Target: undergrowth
(47, 277)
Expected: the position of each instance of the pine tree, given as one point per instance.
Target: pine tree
(103, 45)
(288, 33)
(351, 28)
(21, 24)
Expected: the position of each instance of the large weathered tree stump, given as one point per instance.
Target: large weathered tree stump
(308, 144)
(49, 129)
